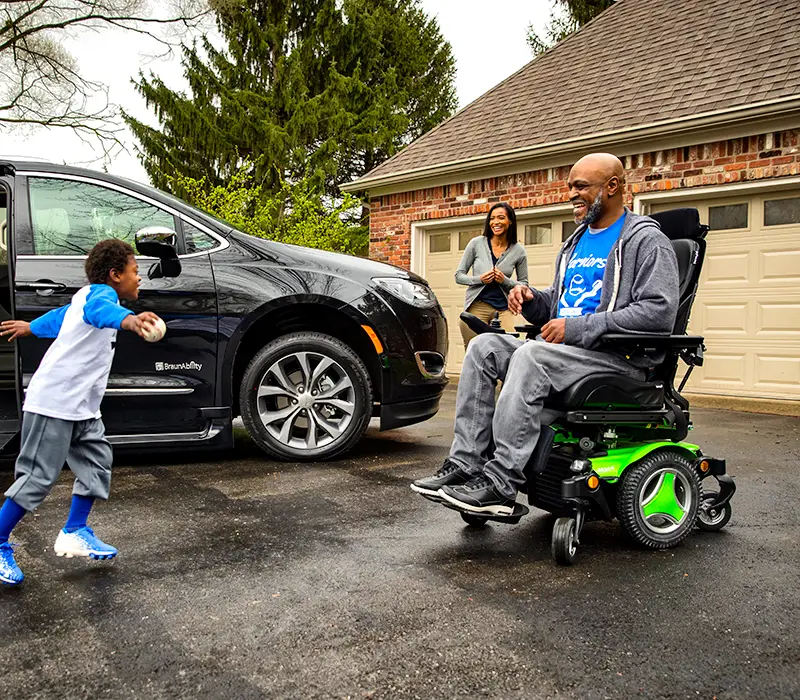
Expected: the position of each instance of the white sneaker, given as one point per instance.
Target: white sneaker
(83, 543)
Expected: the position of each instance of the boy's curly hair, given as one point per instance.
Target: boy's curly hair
(108, 255)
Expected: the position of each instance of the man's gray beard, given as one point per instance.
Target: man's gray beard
(595, 211)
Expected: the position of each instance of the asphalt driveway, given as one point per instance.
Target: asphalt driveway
(244, 578)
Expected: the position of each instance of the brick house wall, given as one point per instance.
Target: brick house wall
(752, 158)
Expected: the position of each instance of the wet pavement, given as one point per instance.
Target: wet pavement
(244, 578)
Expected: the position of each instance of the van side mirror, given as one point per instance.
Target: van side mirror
(159, 242)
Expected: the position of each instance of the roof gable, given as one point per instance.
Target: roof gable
(639, 62)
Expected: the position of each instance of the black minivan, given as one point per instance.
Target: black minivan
(305, 345)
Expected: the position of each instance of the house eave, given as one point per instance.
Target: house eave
(702, 128)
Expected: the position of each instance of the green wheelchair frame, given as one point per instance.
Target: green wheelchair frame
(613, 447)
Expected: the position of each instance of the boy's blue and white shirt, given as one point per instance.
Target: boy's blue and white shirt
(73, 373)
(583, 281)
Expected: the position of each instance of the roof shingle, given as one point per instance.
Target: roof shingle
(640, 62)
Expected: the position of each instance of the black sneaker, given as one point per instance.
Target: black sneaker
(479, 495)
(448, 475)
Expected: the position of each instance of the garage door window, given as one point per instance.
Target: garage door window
(439, 243)
(538, 234)
(779, 212)
(728, 216)
(567, 229)
(465, 237)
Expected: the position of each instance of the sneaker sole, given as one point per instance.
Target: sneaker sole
(88, 555)
(432, 495)
(494, 510)
(7, 582)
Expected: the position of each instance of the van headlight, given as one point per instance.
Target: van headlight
(413, 293)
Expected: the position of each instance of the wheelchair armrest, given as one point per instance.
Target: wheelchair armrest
(529, 329)
(478, 326)
(655, 340)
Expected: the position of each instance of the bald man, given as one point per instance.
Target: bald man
(616, 274)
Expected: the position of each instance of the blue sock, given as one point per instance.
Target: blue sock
(10, 515)
(78, 512)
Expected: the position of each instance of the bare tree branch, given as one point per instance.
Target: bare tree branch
(40, 82)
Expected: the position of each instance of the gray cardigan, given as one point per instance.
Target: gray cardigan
(478, 256)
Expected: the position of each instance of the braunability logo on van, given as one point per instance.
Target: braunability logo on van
(170, 367)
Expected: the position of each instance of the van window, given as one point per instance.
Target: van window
(69, 217)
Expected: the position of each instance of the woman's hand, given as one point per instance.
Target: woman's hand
(498, 275)
(487, 277)
(15, 329)
(140, 323)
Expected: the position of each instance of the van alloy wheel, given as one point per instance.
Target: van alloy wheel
(306, 396)
(306, 400)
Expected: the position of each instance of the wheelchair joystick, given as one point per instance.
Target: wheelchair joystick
(495, 322)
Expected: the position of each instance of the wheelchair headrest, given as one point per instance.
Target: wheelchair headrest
(680, 223)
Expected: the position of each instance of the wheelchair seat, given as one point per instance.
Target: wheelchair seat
(608, 392)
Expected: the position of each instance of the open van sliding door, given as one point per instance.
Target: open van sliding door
(9, 361)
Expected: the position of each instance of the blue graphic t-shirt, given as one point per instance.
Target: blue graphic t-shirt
(583, 281)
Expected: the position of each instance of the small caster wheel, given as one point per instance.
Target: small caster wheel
(563, 542)
(713, 519)
(473, 520)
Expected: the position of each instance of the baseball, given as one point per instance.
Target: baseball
(155, 332)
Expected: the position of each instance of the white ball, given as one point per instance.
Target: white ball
(155, 332)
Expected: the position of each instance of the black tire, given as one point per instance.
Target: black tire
(716, 520)
(562, 542)
(280, 415)
(473, 520)
(648, 479)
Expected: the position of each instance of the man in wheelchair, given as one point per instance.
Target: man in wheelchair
(616, 296)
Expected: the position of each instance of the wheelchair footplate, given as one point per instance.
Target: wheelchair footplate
(432, 499)
(512, 519)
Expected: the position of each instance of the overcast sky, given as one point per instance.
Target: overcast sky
(488, 40)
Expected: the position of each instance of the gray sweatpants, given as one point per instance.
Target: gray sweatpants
(529, 370)
(49, 442)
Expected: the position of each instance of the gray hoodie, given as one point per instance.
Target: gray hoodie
(639, 294)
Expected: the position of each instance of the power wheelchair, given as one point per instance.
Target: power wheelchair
(614, 447)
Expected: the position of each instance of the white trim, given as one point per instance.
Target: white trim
(224, 243)
(642, 200)
(421, 227)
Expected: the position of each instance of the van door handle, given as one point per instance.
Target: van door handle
(43, 288)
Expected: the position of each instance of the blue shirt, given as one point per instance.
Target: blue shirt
(583, 281)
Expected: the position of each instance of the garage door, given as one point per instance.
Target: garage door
(748, 302)
(444, 247)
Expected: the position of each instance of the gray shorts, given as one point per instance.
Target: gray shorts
(47, 443)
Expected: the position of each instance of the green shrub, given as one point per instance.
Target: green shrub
(295, 214)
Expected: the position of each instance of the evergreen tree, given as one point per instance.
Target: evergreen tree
(567, 17)
(314, 90)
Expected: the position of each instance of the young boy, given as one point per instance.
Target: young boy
(61, 414)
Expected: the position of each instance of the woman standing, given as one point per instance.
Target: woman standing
(493, 257)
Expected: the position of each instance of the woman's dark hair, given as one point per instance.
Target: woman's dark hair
(112, 254)
(511, 234)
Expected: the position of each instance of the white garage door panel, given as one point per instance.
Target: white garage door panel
(748, 306)
(779, 319)
(780, 264)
